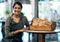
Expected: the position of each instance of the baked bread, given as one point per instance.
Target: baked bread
(35, 22)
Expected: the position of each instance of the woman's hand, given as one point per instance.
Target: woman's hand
(24, 29)
(21, 30)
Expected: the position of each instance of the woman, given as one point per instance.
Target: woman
(15, 24)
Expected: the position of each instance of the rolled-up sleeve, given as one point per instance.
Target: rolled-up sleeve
(7, 28)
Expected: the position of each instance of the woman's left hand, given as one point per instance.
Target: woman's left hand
(24, 29)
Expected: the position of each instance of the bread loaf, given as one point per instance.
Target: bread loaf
(35, 22)
(40, 22)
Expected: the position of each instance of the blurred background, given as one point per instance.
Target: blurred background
(49, 9)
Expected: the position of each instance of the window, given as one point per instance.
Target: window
(1, 1)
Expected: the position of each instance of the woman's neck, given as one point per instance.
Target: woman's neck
(17, 16)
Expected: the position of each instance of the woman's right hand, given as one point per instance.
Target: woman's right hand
(21, 30)
(17, 31)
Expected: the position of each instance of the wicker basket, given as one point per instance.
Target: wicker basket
(44, 28)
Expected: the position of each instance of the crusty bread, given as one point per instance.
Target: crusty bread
(35, 22)
(40, 22)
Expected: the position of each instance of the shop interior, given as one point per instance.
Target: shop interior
(41, 9)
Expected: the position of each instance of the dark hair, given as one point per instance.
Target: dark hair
(18, 4)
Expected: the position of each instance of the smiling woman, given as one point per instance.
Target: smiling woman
(15, 24)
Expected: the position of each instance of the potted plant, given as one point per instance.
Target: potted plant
(22, 13)
(7, 12)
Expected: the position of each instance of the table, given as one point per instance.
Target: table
(3, 23)
(41, 34)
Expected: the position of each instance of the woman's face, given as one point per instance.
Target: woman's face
(17, 9)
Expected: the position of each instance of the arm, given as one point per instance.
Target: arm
(7, 29)
(26, 22)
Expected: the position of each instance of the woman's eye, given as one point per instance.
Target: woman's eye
(17, 8)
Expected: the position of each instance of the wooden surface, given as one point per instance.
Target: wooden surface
(32, 31)
(41, 37)
(41, 34)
